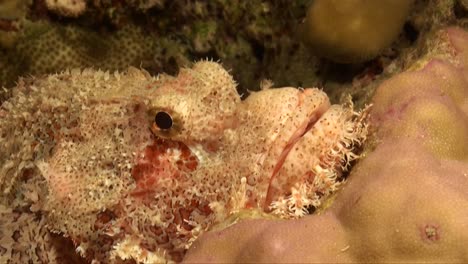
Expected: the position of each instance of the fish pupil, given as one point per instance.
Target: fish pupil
(163, 120)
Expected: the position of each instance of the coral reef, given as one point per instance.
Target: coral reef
(415, 42)
(193, 30)
(354, 30)
(405, 201)
(78, 47)
(119, 166)
(256, 39)
(134, 167)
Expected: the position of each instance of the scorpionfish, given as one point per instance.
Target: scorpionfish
(128, 166)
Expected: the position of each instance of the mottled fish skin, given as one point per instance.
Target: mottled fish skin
(131, 166)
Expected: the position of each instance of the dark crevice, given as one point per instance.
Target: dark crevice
(258, 50)
(460, 10)
(410, 32)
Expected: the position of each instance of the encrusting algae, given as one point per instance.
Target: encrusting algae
(134, 167)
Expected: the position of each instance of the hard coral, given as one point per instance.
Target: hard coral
(430, 103)
(405, 202)
(245, 35)
(44, 48)
(354, 30)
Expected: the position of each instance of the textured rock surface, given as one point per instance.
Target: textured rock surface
(406, 201)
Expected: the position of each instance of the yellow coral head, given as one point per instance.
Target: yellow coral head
(349, 31)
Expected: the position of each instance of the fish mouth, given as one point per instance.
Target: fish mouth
(305, 127)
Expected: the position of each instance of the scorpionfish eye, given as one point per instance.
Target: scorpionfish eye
(164, 123)
(163, 120)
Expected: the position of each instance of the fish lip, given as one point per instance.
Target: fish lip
(305, 127)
